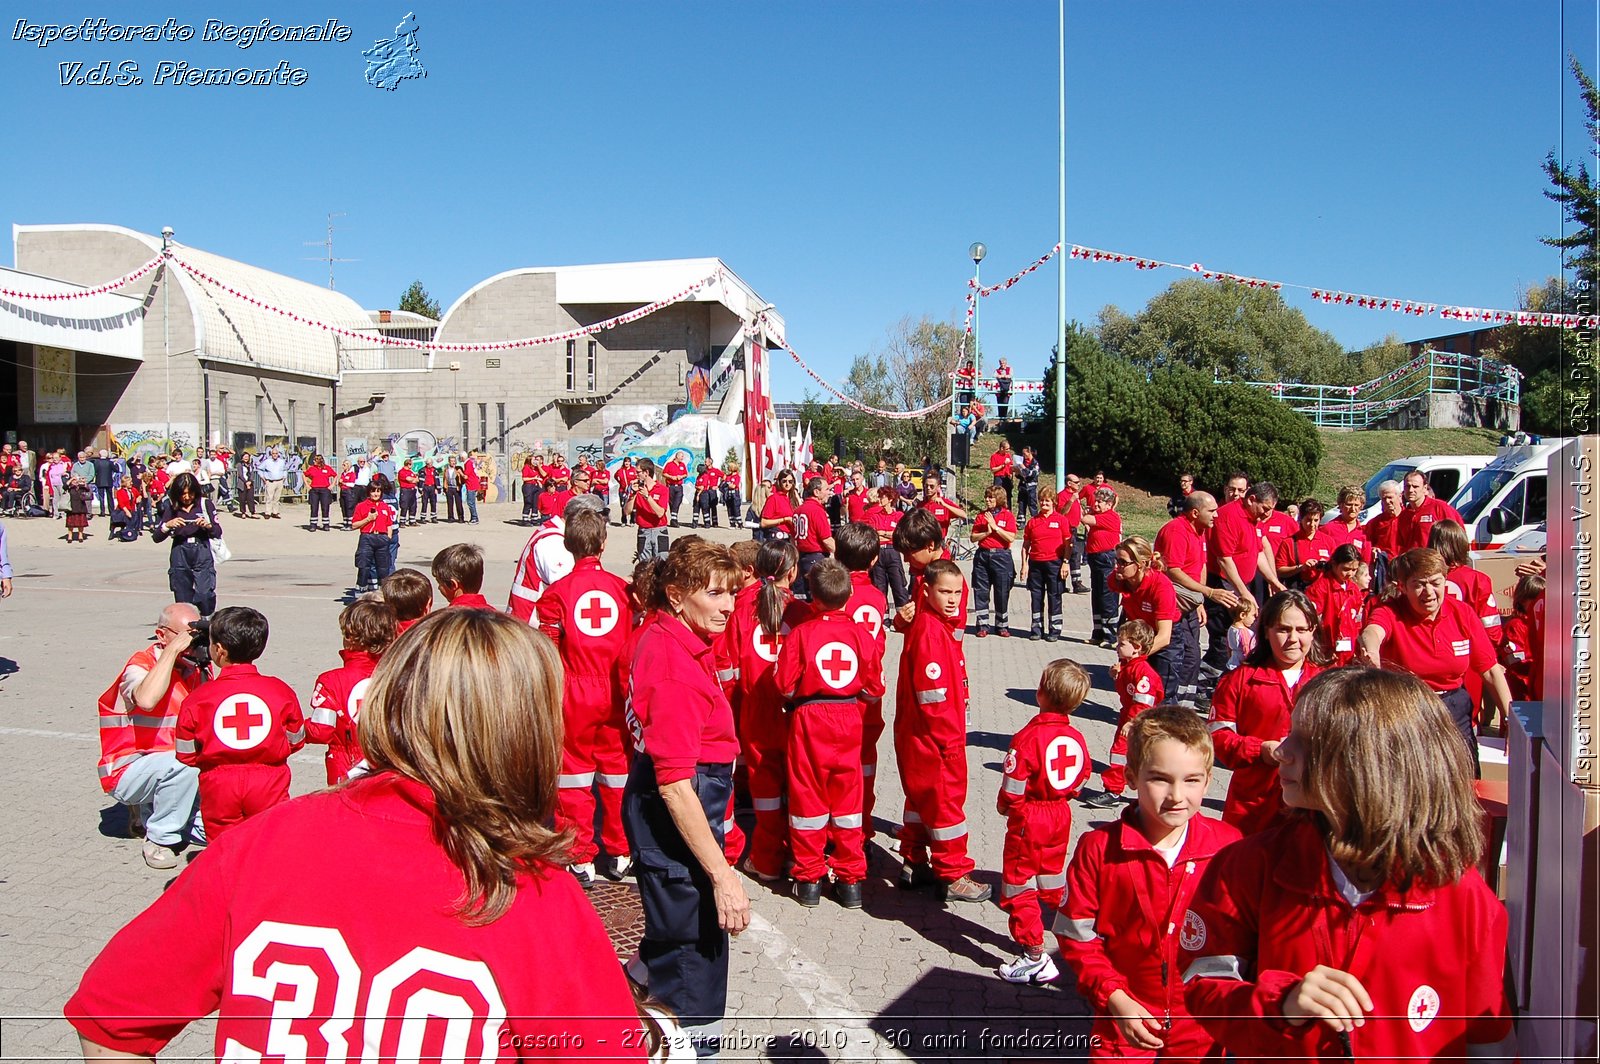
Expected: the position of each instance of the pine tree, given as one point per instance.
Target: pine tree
(417, 301)
(1575, 190)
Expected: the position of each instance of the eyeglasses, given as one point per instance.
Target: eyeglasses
(1123, 563)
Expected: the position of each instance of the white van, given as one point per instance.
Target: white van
(1508, 495)
(1445, 472)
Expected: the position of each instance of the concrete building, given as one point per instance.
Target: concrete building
(242, 375)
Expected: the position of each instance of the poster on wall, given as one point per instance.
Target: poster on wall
(55, 385)
(143, 439)
(624, 425)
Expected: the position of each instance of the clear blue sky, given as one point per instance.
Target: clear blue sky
(841, 156)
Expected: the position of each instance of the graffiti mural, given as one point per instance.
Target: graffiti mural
(144, 440)
(625, 425)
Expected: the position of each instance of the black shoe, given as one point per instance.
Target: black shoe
(808, 894)
(1102, 800)
(848, 894)
(916, 877)
(1035, 635)
(1052, 637)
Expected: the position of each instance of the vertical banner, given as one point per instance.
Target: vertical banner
(55, 385)
(755, 420)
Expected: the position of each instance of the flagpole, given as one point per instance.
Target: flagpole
(1061, 256)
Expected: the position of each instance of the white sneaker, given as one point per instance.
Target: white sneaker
(619, 867)
(583, 873)
(1026, 969)
(159, 856)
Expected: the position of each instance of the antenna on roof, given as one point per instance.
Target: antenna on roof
(326, 244)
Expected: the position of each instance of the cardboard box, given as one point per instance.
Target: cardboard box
(1492, 761)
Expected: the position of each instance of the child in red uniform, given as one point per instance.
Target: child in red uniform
(586, 614)
(930, 741)
(1129, 891)
(368, 627)
(1139, 687)
(762, 615)
(410, 595)
(239, 727)
(458, 570)
(1046, 764)
(374, 519)
(1340, 604)
(1357, 928)
(1250, 710)
(1518, 651)
(920, 542)
(857, 550)
(829, 671)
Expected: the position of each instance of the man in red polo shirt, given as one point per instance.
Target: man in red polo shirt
(944, 510)
(1421, 512)
(650, 508)
(1237, 559)
(673, 474)
(1181, 543)
(813, 531)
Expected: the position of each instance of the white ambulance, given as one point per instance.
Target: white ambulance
(1507, 496)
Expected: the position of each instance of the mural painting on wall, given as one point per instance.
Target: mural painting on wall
(55, 386)
(624, 425)
(145, 440)
(590, 451)
(697, 388)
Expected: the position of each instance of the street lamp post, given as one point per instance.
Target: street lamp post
(1062, 256)
(977, 252)
(166, 321)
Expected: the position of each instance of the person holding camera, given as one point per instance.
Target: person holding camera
(190, 521)
(139, 766)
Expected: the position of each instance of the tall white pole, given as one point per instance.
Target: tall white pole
(166, 322)
(1061, 256)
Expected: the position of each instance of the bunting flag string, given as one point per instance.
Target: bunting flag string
(1354, 299)
(989, 290)
(372, 335)
(97, 290)
(893, 415)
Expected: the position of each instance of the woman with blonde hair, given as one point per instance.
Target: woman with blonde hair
(680, 789)
(435, 882)
(1358, 927)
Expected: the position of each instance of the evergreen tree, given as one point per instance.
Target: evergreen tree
(417, 301)
(1574, 189)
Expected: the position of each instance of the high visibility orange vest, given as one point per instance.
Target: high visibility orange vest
(126, 736)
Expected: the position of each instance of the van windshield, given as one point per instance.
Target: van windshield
(1474, 496)
(1395, 471)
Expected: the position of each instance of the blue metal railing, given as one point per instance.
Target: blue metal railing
(1358, 406)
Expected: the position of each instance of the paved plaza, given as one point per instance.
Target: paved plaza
(903, 978)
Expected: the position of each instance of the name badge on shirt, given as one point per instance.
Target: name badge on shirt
(1461, 647)
(1344, 646)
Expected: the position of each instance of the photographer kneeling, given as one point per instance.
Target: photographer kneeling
(138, 714)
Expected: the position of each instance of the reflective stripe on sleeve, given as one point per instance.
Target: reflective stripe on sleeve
(1076, 930)
(1055, 882)
(612, 780)
(1117, 759)
(766, 805)
(326, 717)
(954, 831)
(1013, 786)
(186, 746)
(1144, 700)
(298, 736)
(727, 675)
(927, 698)
(1491, 620)
(575, 779)
(1219, 967)
(808, 823)
(1223, 725)
(848, 821)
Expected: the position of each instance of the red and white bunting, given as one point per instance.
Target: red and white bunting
(989, 290)
(97, 290)
(1353, 299)
(893, 415)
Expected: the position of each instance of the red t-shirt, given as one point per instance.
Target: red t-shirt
(380, 525)
(320, 476)
(941, 513)
(553, 503)
(1299, 549)
(1412, 527)
(674, 471)
(1105, 533)
(406, 478)
(1381, 532)
(658, 492)
(1276, 527)
(1153, 600)
(677, 712)
(992, 519)
(1437, 652)
(1182, 547)
(856, 503)
(1044, 537)
(1000, 464)
(813, 527)
(1338, 534)
(779, 505)
(1234, 535)
(708, 479)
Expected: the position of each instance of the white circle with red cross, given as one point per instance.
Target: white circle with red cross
(1423, 1008)
(1063, 759)
(242, 722)
(868, 617)
(838, 664)
(767, 646)
(1193, 934)
(596, 614)
(358, 698)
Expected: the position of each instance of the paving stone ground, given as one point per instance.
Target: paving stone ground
(904, 977)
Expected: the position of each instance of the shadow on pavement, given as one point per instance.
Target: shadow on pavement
(949, 1015)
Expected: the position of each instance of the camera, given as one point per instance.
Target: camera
(199, 652)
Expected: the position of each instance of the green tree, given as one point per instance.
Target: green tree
(417, 301)
(908, 372)
(1575, 190)
(1539, 353)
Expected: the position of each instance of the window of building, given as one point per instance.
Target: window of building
(572, 365)
(483, 426)
(466, 425)
(222, 414)
(500, 423)
(594, 363)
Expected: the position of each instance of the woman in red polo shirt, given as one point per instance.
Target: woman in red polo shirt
(1148, 596)
(1346, 526)
(1250, 711)
(678, 791)
(778, 512)
(1422, 629)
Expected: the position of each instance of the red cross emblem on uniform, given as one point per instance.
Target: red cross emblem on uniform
(358, 698)
(838, 664)
(869, 617)
(596, 613)
(241, 722)
(1063, 759)
(767, 644)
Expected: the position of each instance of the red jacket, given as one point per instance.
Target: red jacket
(1139, 687)
(336, 702)
(240, 717)
(1477, 591)
(1269, 911)
(1125, 911)
(1048, 761)
(1251, 706)
(867, 607)
(1340, 613)
(1412, 527)
(376, 949)
(1520, 657)
(586, 614)
(931, 695)
(830, 657)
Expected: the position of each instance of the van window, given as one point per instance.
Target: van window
(1445, 482)
(1484, 485)
(1514, 501)
(1534, 511)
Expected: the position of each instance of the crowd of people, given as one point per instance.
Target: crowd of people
(1334, 909)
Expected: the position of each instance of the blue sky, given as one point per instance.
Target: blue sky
(841, 156)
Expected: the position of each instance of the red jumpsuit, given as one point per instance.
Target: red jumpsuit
(1477, 591)
(1126, 913)
(930, 744)
(1138, 688)
(829, 670)
(1046, 766)
(1269, 910)
(586, 615)
(1518, 655)
(360, 945)
(867, 607)
(1251, 706)
(335, 709)
(239, 729)
(1340, 609)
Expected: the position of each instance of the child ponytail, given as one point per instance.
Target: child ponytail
(777, 558)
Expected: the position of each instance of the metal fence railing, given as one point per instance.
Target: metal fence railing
(1356, 406)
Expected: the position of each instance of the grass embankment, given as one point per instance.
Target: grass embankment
(1348, 458)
